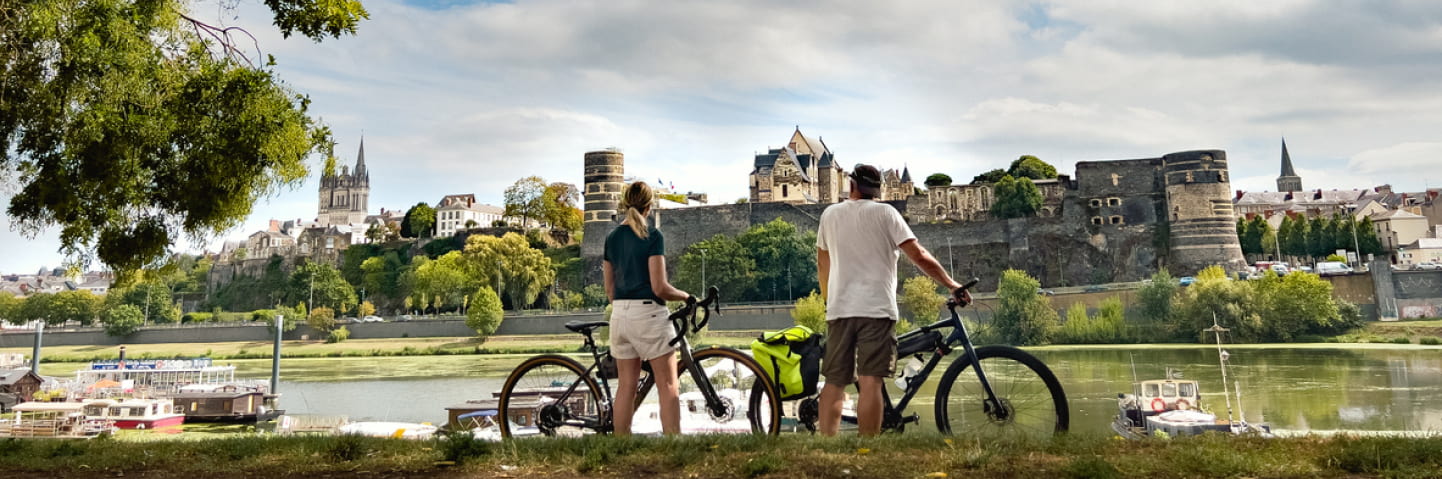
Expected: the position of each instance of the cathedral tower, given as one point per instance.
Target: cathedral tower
(345, 195)
(1289, 181)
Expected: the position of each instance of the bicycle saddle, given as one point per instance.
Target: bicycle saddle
(585, 326)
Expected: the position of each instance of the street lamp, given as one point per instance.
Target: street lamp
(950, 259)
(1356, 245)
(703, 270)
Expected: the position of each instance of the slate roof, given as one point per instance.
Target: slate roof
(1287, 169)
(9, 377)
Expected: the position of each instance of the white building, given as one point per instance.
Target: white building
(456, 213)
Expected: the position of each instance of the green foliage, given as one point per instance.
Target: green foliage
(1108, 326)
(729, 266)
(365, 309)
(1028, 166)
(338, 335)
(1296, 303)
(595, 295)
(151, 296)
(992, 176)
(448, 278)
(810, 311)
(1232, 303)
(126, 130)
(319, 284)
(10, 307)
(485, 313)
(510, 266)
(419, 222)
(197, 317)
(122, 320)
(1367, 238)
(920, 300)
(526, 199)
(785, 260)
(1016, 198)
(1256, 235)
(1335, 257)
(321, 319)
(560, 206)
(938, 179)
(1156, 297)
(1023, 317)
(80, 306)
(1430, 341)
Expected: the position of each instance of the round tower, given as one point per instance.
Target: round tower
(603, 184)
(1199, 212)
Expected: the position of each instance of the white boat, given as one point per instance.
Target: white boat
(1172, 407)
(398, 430)
(54, 420)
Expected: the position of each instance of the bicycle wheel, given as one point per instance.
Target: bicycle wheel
(539, 398)
(1033, 404)
(751, 405)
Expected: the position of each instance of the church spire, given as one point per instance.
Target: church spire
(360, 162)
(1288, 181)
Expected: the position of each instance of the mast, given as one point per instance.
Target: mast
(1217, 330)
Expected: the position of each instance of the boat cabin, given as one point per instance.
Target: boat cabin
(52, 420)
(1152, 397)
(220, 406)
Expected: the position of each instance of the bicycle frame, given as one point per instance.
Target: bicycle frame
(891, 417)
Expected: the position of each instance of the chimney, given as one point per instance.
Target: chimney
(1239, 195)
(275, 226)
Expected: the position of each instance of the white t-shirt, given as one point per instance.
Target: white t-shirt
(862, 239)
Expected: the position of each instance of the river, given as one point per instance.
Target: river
(1294, 388)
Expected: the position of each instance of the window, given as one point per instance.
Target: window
(1096, 202)
(1114, 201)
(330, 243)
(1169, 390)
(1116, 220)
(785, 190)
(1188, 390)
(1152, 391)
(1096, 220)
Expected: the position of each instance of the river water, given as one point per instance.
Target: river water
(1297, 389)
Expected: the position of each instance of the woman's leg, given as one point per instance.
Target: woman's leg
(663, 368)
(628, 372)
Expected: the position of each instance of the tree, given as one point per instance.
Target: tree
(420, 221)
(37, 307)
(784, 257)
(151, 296)
(321, 319)
(1320, 239)
(1028, 166)
(992, 176)
(1298, 303)
(10, 307)
(1367, 240)
(728, 267)
(80, 306)
(1156, 297)
(1023, 317)
(485, 312)
(1294, 234)
(320, 285)
(810, 311)
(130, 123)
(509, 266)
(122, 320)
(920, 300)
(446, 280)
(937, 179)
(559, 202)
(526, 199)
(1016, 198)
(366, 309)
(1213, 297)
(375, 233)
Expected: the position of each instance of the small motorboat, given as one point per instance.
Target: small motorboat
(1172, 406)
(398, 430)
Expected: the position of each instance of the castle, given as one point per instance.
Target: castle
(1116, 220)
(345, 197)
(804, 172)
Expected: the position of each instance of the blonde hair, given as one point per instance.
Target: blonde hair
(637, 200)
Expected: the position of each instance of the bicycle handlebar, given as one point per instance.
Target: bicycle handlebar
(685, 318)
(955, 300)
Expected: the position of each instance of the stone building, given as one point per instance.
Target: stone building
(344, 197)
(803, 171)
(972, 202)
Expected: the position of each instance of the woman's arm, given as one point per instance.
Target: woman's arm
(659, 284)
(608, 278)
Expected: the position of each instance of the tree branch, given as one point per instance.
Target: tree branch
(223, 38)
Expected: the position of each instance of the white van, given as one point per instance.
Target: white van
(1333, 268)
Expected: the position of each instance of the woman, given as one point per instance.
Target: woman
(634, 269)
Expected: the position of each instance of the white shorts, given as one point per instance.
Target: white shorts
(640, 330)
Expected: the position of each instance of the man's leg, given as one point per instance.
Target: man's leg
(869, 406)
(832, 397)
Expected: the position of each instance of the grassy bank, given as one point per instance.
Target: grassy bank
(893, 456)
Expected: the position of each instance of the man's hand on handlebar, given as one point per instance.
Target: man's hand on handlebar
(961, 296)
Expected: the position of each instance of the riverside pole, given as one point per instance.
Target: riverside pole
(35, 354)
(275, 356)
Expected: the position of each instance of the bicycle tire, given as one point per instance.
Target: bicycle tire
(763, 404)
(536, 376)
(1034, 403)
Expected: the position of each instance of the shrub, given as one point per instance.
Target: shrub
(1401, 340)
(122, 320)
(810, 311)
(485, 312)
(1108, 326)
(338, 335)
(920, 300)
(1156, 297)
(1023, 317)
(197, 317)
(1430, 341)
(321, 319)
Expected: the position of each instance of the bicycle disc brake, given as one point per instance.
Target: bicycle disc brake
(723, 411)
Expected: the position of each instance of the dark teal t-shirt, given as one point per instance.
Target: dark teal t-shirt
(630, 258)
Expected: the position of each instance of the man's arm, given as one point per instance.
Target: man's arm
(928, 264)
(823, 269)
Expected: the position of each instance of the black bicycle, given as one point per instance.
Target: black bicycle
(987, 391)
(722, 390)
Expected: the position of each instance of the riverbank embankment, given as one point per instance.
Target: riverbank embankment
(891, 456)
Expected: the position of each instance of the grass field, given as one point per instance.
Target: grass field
(891, 456)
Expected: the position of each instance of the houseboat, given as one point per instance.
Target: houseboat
(135, 413)
(236, 402)
(153, 377)
(54, 420)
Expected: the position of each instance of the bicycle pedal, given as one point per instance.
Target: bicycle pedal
(916, 418)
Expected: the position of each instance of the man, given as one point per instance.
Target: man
(856, 253)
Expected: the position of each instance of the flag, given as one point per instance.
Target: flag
(673, 187)
(659, 182)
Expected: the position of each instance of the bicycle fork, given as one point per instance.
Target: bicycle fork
(714, 404)
(990, 405)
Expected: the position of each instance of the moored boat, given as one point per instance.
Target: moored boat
(135, 413)
(53, 420)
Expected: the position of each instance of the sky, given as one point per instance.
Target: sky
(456, 96)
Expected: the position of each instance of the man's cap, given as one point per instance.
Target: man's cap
(866, 175)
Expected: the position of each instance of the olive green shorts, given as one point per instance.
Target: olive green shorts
(858, 347)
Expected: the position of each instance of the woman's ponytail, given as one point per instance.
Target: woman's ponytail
(637, 200)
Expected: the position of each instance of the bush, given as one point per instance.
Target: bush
(1108, 326)
(1430, 341)
(1156, 297)
(485, 312)
(197, 317)
(810, 311)
(338, 335)
(920, 300)
(1401, 341)
(1023, 317)
(122, 320)
(321, 319)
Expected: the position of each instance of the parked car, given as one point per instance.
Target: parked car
(1333, 268)
(1428, 266)
(372, 319)
(1186, 280)
(1096, 288)
(347, 320)
(404, 317)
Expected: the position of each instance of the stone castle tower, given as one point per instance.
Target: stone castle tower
(1289, 181)
(1202, 227)
(602, 189)
(344, 197)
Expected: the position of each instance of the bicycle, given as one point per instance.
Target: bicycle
(727, 392)
(1010, 393)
